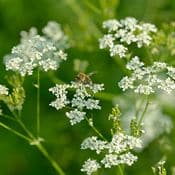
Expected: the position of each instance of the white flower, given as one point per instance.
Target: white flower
(75, 116)
(96, 87)
(111, 25)
(129, 23)
(168, 85)
(118, 49)
(126, 83)
(48, 64)
(62, 55)
(53, 31)
(92, 104)
(25, 36)
(106, 41)
(93, 143)
(90, 166)
(144, 89)
(148, 27)
(150, 79)
(110, 160)
(117, 151)
(60, 91)
(3, 90)
(128, 158)
(134, 64)
(113, 159)
(82, 99)
(143, 39)
(125, 32)
(121, 143)
(34, 51)
(171, 72)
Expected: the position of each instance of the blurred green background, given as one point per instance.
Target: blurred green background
(81, 21)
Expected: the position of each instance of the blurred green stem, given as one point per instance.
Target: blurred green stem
(83, 17)
(38, 102)
(95, 129)
(120, 170)
(33, 141)
(144, 111)
(92, 7)
(14, 132)
(50, 159)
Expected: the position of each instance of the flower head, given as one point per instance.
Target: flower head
(150, 79)
(121, 33)
(81, 99)
(34, 51)
(3, 90)
(90, 166)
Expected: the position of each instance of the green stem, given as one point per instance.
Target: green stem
(105, 96)
(120, 170)
(38, 102)
(25, 128)
(8, 117)
(17, 118)
(144, 111)
(50, 159)
(92, 7)
(14, 132)
(95, 129)
(137, 110)
(121, 65)
(42, 149)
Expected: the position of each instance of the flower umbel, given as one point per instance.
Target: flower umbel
(122, 33)
(148, 80)
(81, 99)
(35, 51)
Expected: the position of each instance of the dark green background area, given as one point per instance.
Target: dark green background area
(82, 23)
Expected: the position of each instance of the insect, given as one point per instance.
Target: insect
(84, 78)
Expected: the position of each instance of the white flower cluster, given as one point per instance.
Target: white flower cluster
(114, 160)
(34, 51)
(82, 99)
(3, 90)
(54, 32)
(125, 32)
(117, 151)
(93, 143)
(90, 166)
(147, 80)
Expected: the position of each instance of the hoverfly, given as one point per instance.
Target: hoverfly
(84, 78)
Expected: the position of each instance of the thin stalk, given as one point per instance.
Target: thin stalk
(38, 102)
(17, 118)
(50, 159)
(25, 128)
(39, 146)
(121, 64)
(92, 7)
(137, 110)
(95, 129)
(8, 117)
(120, 170)
(144, 111)
(14, 131)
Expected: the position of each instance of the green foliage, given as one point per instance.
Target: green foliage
(82, 22)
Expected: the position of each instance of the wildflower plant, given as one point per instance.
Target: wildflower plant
(37, 53)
